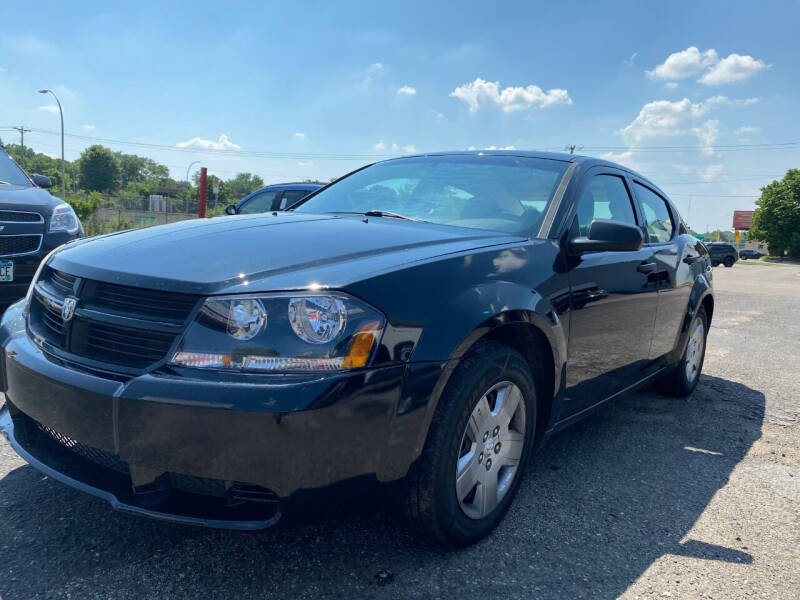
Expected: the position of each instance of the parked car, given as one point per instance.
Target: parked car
(32, 223)
(271, 198)
(419, 326)
(722, 253)
(755, 254)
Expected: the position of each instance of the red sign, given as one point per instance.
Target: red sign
(742, 219)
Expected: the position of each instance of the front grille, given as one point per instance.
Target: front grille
(119, 345)
(97, 456)
(18, 216)
(11, 245)
(115, 325)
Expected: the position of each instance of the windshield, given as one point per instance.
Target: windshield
(10, 173)
(499, 193)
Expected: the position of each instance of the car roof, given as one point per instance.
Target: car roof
(292, 186)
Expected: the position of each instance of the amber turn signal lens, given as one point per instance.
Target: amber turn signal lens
(361, 348)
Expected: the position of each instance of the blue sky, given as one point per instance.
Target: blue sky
(328, 86)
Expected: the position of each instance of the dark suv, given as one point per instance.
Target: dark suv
(722, 253)
(32, 223)
(271, 198)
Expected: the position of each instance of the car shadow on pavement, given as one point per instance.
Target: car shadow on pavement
(600, 503)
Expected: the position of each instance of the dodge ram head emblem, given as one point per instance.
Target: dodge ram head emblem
(68, 308)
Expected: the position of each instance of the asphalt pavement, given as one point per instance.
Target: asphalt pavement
(651, 497)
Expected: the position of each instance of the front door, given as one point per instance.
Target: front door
(614, 296)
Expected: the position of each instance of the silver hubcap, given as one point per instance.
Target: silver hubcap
(694, 350)
(490, 450)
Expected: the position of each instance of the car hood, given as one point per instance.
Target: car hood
(286, 251)
(16, 197)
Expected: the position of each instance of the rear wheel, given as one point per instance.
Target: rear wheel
(682, 380)
(477, 448)
(728, 262)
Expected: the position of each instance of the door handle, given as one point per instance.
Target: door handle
(646, 267)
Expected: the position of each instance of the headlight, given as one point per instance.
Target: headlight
(302, 332)
(64, 219)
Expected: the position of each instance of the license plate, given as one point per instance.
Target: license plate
(6, 270)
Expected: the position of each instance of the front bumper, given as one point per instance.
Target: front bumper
(222, 454)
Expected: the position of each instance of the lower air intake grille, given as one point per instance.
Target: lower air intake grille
(100, 457)
(11, 245)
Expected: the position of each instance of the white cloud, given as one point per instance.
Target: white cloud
(670, 85)
(624, 158)
(629, 62)
(300, 135)
(712, 172)
(396, 148)
(51, 108)
(223, 143)
(733, 67)
(685, 63)
(406, 90)
(746, 129)
(715, 71)
(499, 148)
(487, 94)
(707, 134)
(305, 163)
(88, 127)
(375, 67)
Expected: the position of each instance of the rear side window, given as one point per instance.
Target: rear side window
(292, 196)
(604, 197)
(258, 204)
(658, 220)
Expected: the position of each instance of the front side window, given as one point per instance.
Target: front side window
(10, 173)
(659, 221)
(498, 193)
(258, 204)
(604, 197)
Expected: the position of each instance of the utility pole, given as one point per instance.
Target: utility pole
(573, 147)
(22, 132)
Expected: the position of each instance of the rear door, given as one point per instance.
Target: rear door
(614, 296)
(675, 261)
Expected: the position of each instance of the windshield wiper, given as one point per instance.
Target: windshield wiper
(388, 213)
(4, 183)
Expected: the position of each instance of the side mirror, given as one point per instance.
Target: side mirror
(608, 235)
(231, 210)
(42, 181)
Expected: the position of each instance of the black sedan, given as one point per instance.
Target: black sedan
(755, 254)
(419, 326)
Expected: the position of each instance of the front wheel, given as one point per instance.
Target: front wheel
(682, 379)
(477, 448)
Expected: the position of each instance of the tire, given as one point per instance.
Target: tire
(432, 502)
(714, 263)
(678, 381)
(728, 262)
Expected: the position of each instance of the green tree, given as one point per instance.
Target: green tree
(243, 184)
(777, 217)
(133, 168)
(99, 169)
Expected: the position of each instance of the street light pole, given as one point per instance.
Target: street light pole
(63, 170)
(197, 162)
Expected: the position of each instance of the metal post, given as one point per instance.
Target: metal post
(201, 201)
(63, 170)
(22, 131)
